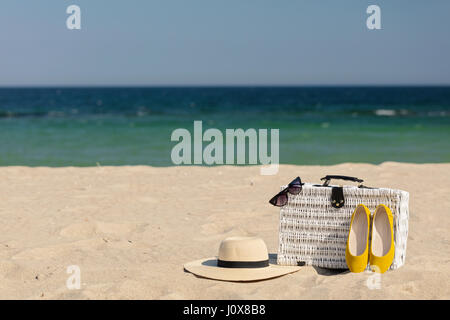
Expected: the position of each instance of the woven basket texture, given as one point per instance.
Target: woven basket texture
(313, 232)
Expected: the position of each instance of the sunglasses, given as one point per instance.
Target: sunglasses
(293, 188)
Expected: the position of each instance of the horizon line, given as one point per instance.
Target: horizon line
(94, 86)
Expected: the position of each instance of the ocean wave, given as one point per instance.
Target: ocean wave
(385, 112)
(15, 114)
(182, 112)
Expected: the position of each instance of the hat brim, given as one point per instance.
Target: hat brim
(207, 268)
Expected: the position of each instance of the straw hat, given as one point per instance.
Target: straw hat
(240, 259)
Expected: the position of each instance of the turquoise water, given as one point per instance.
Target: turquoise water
(129, 126)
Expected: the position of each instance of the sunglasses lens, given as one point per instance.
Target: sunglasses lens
(274, 200)
(279, 200)
(295, 186)
(282, 200)
(295, 189)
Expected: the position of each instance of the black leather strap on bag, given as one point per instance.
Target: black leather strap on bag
(337, 197)
(337, 193)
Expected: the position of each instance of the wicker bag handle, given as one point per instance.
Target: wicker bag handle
(328, 178)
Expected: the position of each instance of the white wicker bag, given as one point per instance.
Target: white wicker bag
(314, 232)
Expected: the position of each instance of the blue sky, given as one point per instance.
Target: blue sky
(224, 42)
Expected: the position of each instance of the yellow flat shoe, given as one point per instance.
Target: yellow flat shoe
(382, 248)
(357, 251)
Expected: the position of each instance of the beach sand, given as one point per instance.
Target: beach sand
(130, 229)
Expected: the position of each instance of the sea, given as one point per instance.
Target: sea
(133, 125)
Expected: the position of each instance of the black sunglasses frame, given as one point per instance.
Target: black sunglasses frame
(296, 183)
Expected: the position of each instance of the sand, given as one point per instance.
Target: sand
(130, 229)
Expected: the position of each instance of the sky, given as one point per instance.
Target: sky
(224, 42)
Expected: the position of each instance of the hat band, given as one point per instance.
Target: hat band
(243, 264)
